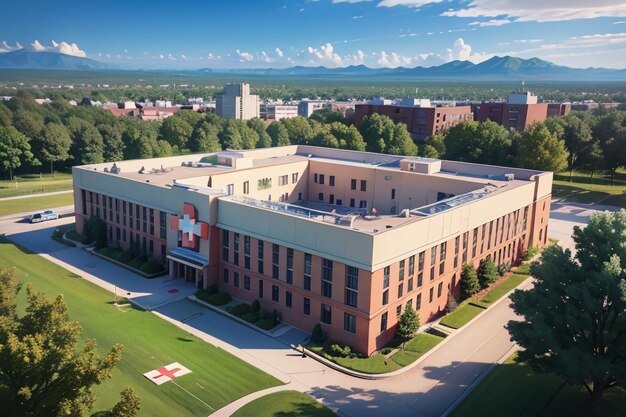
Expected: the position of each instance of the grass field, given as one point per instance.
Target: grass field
(461, 316)
(513, 389)
(284, 404)
(584, 189)
(217, 377)
(33, 204)
(34, 184)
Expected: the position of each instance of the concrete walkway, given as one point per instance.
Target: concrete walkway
(34, 195)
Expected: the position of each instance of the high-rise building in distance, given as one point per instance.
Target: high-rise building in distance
(236, 102)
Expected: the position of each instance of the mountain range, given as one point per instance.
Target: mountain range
(498, 68)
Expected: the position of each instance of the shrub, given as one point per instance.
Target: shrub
(212, 289)
(266, 324)
(151, 267)
(240, 309)
(503, 269)
(318, 335)
(255, 306)
(218, 299)
(531, 252)
(451, 304)
(251, 317)
(386, 350)
(487, 272)
(203, 294)
(341, 351)
(469, 281)
(95, 229)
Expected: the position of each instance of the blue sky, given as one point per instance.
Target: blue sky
(282, 33)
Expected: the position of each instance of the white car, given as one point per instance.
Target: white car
(43, 216)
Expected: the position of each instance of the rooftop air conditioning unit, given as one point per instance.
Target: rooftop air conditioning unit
(509, 177)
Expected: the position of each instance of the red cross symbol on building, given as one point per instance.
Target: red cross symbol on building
(190, 227)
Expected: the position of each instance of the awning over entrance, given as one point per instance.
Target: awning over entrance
(188, 256)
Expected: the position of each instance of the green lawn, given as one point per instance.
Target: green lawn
(217, 377)
(416, 348)
(513, 389)
(22, 205)
(494, 295)
(284, 404)
(584, 189)
(33, 184)
(461, 316)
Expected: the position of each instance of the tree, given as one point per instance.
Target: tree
(377, 131)
(88, 145)
(14, 149)
(328, 116)
(279, 134)
(299, 130)
(348, 137)
(6, 116)
(176, 131)
(113, 144)
(408, 325)
(205, 138)
(434, 147)
(479, 142)
(537, 148)
(28, 122)
(575, 315)
(230, 136)
(487, 273)
(258, 125)
(42, 371)
(401, 142)
(54, 145)
(469, 281)
(249, 137)
(577, 136)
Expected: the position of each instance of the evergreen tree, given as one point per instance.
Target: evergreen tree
(469, 281)
(408, 325)
(487, 273)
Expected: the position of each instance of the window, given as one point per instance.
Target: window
(326, 314)
(442, 258)
(474, 242)
(275, 260)
(410, 286)
(246, 282)
(162, 224)
(418, 302)
(260, 288)
(490, 232)
(236, 249)
(433, 259)
(399, 310)
(260, 256)
(331, 199)
(246, 187)
(225, 243)
(307, 271)
(400, 290)
(321, 177)
(393, 193)
(465, 246)
(439, 289)
(411, 265)
(236, 279)
(331, 180)
(383, 322)
(275, 293)
(352, 285)
(352, 202)
(363, 204)
(386, 273)
(294, 178)
(363, 185)
(315, 178)
(327, 278)
(320, 196)
(349, 323)
(456, 251)
(420, 268)
(401, 271)
(385, 297)
(226, 273)
(288, 299)
(246, 251)
(306, 307)
(430, 298)
(283, 180)
(353, 184)
(289, 266)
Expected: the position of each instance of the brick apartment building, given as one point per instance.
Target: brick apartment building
(343, 238)
(421, 122)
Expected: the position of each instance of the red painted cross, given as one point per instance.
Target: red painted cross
(164, 372)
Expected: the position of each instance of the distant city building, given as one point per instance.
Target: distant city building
(558, 109)
(380, 101)
(236, 102)
(346, 108)
(307, 107)
(127, 105)
(420, 121)
(274, 112)
(520, 111)
(415, 102)
(162, 103)
(592, 105)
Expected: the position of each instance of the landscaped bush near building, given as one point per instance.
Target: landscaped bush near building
(240, 309)
(141, 262)
(95, 230)
(341, 351)
(317, 335)
(251, 317)
(218, 299)
(469, 281)
(487, 273)
(531, 252)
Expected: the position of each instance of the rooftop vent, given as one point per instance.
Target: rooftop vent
(509, 177)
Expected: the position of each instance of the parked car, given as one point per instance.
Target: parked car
(43, 216)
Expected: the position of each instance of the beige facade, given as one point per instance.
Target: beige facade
(236, 102)
(343, 238)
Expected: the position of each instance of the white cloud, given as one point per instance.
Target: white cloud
(5, 47)
(393, 60)
(278, 52)
(264, 57)
(492, 22)
(542, 10)
(325, 55)
(357, 17)
(245, 56)
(407, 3)
(161, 56)
(462, 51)
(183, 57)
(621, 22)
(63, 48)
(350, 1)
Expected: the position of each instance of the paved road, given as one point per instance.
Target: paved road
(426, 390)
(33, 195)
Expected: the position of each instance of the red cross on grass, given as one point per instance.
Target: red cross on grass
(164, 372)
